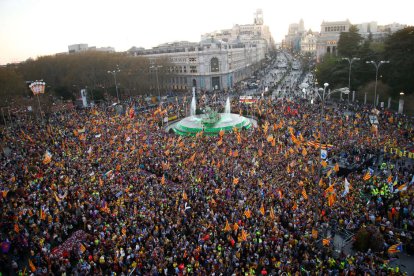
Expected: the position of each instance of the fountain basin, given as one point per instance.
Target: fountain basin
(190, 126)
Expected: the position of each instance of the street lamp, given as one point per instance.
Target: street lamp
(156, 75)
(349, 74)
(377, 66)
(322, 97)
(113, 72)
(401, 103)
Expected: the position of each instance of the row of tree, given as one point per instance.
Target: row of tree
(65, 75)
(393, 78)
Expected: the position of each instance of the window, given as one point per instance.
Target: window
(192, 59)
(214, 65)
(193, 69)
(185, 69)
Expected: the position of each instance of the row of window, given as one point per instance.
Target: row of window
(335, 29)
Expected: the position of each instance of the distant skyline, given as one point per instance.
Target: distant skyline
(32, 28)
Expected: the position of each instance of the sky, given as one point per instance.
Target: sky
(32, 28)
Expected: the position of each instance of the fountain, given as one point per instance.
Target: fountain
(211, 122)
(193, 106)
(227, 107)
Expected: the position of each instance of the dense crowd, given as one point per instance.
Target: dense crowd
(94, 192)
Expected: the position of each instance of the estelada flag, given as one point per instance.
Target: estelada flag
(82, 248)
(395, 248)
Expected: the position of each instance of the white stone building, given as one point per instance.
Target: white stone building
(329, 37)
(210, 64)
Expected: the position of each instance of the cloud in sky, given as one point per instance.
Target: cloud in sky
(30, 28)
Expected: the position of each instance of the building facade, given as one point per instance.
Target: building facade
(83, 47)
(218, 61)
(210, 65)
(329, 37)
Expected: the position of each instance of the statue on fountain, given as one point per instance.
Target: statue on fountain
(210, 118)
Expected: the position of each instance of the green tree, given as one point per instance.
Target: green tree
(12, 85)
(349, 42)
(399, 50)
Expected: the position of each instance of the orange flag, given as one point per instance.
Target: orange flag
(304, 194)
(162, 180)
(247, 213)
(235, 226)
(227, 228)
(295, 206)
(235, 180)
(221, 133)
(239, 140)
(32, 266)
(304, 152)
(16, 228)
(220, 142)
(272, 213)
(185, 196)
(331, 200)
(324, 164)
(244, 235)
(262, 210)
(336, 168)
(314, 233)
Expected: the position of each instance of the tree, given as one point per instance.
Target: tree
(12, 84)
(399, 50)
(349, 42)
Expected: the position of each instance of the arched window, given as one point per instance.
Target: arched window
(214, 65)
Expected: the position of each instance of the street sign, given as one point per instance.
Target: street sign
(324, 154)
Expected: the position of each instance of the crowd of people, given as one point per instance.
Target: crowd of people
(95, 192)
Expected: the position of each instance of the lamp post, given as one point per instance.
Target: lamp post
(156, 76)
(377, 66)
(401, 103)
(113, 72)
(322, 97)
(349, 74)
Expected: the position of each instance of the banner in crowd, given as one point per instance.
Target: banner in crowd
(399, 152)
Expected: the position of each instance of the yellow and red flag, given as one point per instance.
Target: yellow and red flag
(262, 210)
(304, 194)
(248, 213)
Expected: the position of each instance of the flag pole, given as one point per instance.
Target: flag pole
(40, 108)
